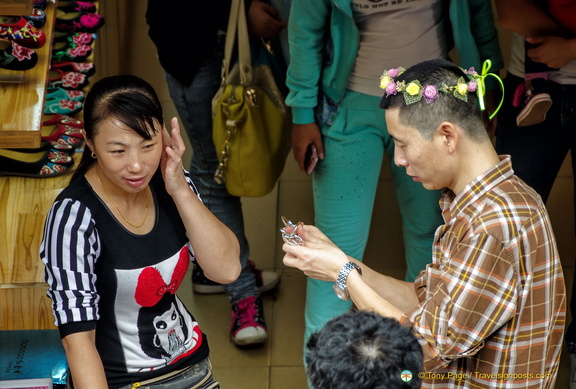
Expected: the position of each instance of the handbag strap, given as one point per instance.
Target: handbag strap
(237, 26)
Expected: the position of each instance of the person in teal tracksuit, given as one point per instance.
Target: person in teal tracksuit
(338, 50)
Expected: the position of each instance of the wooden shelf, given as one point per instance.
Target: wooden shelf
(22, 103)
(16, 7)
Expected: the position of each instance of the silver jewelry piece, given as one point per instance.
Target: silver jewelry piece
(292, 238)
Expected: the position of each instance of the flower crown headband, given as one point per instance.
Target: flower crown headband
(414, 91)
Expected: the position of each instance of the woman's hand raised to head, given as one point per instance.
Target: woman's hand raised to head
(171, 162)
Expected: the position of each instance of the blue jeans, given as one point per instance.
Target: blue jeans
(198, 376)
(538, 151)
(193, 104)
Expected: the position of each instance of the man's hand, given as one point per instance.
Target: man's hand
(264, 20)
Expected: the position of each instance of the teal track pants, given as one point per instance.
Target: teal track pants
(344, 186)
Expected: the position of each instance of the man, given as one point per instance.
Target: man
(489, 311)
(361, 349)
(540, 150)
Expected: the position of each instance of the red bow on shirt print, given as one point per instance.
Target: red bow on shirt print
(152, 287)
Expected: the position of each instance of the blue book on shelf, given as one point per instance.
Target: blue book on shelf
(32, 354)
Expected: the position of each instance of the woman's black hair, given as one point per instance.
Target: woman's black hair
(126, 98)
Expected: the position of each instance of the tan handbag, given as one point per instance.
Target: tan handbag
(251, 123)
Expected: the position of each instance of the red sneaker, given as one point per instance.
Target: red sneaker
(248, 328)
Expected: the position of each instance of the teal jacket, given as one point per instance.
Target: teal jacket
(321, 65)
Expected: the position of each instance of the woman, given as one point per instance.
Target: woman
(118, 242)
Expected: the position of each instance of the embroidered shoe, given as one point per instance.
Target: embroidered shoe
(16, 57)
(248, 328)
(64, 94)
(536, 103)
(86, 68)
(71, 6)
(32, 163)
(19, 30)
(40, 4)
(265, 281)
(37, 18)
(70, 52)
(78, 21)
(78, 38)
(62, 119)
(54, 131)
(62, 106)
(66, 80)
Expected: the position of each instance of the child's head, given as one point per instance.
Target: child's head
(361, 349)
(432, 92)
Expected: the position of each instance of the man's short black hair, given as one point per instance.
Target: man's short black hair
(363, 350)
(426, 117)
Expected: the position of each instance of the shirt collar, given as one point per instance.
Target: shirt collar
(452, 204)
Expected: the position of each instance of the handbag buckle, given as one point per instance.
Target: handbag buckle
(252, 96)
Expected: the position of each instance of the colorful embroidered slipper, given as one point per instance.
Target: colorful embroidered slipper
(78, 21)
(64, 94)
(19, 30)
(78, 38)
(68, 51)
(71, 6)
(37, 18)
(62, 119)
(65, 142)
(54, 131)
(66, 80)
(86, 68)
(62, 106)
(16, 57)
(42, 164)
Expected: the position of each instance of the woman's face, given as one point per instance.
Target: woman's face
(125, 159)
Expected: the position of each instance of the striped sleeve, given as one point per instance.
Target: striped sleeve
(69, 250)
(191, 183)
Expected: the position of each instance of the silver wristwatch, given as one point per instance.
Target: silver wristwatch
(340, 287)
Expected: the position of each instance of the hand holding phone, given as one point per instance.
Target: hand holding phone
(311, 158)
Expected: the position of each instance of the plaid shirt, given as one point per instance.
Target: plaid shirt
(493, 301)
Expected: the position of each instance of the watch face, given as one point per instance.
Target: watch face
(341, 293)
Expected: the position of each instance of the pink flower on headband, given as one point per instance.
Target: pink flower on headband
(472, 85)
(393, 72)
(391, 88)
(430, 93)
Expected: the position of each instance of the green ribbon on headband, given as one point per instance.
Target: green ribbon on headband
(481, 90)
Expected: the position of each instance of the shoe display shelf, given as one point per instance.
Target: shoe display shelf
(22, 94)
(24, 202)
(16, 7)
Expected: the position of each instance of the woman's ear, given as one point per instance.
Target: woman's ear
(88, 141)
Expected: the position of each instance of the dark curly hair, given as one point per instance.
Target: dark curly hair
(363, 350)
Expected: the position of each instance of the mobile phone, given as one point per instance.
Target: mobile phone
(311, 158)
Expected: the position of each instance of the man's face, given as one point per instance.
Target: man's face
(423, 159)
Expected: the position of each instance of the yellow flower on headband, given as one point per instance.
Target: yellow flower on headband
(413, 88)
(462, 87)
(384, 81)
